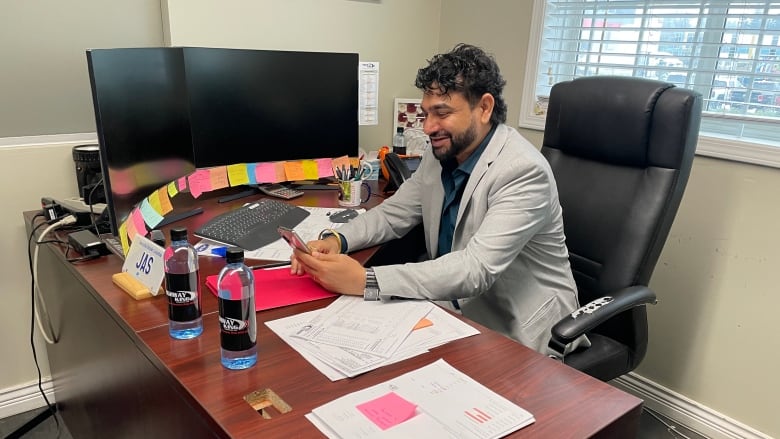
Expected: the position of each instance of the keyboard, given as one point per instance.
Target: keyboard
(253, 225)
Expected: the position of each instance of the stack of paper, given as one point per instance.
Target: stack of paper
(352, 336)
(435, 401)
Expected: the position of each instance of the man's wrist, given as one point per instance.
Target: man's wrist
(341, 243)
(371, 291)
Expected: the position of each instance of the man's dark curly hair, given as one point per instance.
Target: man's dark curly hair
(466, 69)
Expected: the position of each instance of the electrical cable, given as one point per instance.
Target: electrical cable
(35, 317)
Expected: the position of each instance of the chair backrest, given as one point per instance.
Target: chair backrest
(621, 150)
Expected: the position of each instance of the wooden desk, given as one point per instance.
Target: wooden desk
(117, 373)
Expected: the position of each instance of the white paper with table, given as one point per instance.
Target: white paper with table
(434, 401)
(337, 363)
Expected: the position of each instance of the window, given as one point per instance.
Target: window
(729, 51)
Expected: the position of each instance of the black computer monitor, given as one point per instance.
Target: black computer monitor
(142, 118)
(251, 106)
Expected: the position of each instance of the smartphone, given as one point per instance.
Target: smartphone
(293, 239)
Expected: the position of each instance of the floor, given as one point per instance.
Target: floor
(650, 428)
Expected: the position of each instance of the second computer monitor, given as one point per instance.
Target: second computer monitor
(261, 105)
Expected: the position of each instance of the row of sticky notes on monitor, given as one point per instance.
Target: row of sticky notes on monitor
(152, 209)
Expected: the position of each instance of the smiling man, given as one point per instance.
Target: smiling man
(489, 207)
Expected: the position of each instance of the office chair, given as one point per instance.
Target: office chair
(621, 150)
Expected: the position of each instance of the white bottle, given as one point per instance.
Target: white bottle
(182, 286)
(237, 320)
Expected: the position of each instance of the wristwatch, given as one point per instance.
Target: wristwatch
(371, 292)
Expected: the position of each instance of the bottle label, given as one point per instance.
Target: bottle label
(183, 299)
(237, 324)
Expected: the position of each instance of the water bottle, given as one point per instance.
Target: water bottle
(182, 286)
(237, 320)
(399, 142)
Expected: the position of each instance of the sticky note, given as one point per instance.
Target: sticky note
(150, 215)
(294, 171)
(199, 182)
(341, 161)
(388, 410)
(265, 173)
(237, 174)
(309, 170)
(165, 202)
(219, 177)
(324, 168)
(182, 184)
(423, 323)
(281, 175)
(154, 201)
(172, 189)
(250, 173)
(123, 237)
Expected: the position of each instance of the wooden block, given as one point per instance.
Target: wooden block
(131, 286)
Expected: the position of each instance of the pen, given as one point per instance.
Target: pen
(271, 265)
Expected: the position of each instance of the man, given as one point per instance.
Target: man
(489, 208)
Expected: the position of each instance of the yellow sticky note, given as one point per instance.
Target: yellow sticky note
(123, 238)
(172, 190)
(237, 174)
(154, 201)
(309, 170)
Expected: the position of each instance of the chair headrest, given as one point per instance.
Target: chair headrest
(613, 119)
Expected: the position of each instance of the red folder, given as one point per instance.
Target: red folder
(275, 288)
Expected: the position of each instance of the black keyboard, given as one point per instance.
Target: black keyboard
(254, 225)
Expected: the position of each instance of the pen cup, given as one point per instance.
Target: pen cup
(351, 192)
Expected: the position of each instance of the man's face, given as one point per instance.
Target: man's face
(451, 123)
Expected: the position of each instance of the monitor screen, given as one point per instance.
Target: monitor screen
(140, 101)
(251, 106)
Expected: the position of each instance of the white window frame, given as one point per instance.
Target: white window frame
(729, 149)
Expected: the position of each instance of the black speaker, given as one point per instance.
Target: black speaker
(88, 173)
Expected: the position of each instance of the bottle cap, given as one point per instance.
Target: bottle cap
(399, 130)
(178, 234)
(234, 254)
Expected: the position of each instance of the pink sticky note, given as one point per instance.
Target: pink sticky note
(182, 183)
(265, 173)
(388, 410)
(138, 221)
(199, 182)
(324, 168)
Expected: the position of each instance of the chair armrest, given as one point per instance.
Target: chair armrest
(597, 312)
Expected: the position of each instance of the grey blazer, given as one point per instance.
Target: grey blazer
(509, 267)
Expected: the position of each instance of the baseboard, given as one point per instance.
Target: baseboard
(684, 411)
(25, 397)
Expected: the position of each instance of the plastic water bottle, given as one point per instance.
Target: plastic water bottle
(237, 319)
(399, 142)
(182, 286)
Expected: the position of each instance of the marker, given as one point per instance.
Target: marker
(219, 251)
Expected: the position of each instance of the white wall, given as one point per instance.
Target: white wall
(712, 334)
(399, 34)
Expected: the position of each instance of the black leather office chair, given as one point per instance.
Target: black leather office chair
(621, 150)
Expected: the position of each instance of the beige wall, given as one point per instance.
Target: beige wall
(712, 332)
(399, 34)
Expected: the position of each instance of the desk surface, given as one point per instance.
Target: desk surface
(565, 402)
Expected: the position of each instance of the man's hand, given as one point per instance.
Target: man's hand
(335, 272)
(329, 245)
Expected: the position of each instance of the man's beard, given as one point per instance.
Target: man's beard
(458, 143)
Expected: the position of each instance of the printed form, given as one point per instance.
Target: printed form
(376, 328)
(432, 402)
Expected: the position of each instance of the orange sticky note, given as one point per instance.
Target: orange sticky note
(165, 201)
(341, 161)
(281, 175)
(388, 410)
(294, 171)
(423, 323)
(219, 178)
(354, 162)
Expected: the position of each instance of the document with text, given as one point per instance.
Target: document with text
(435, 401)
